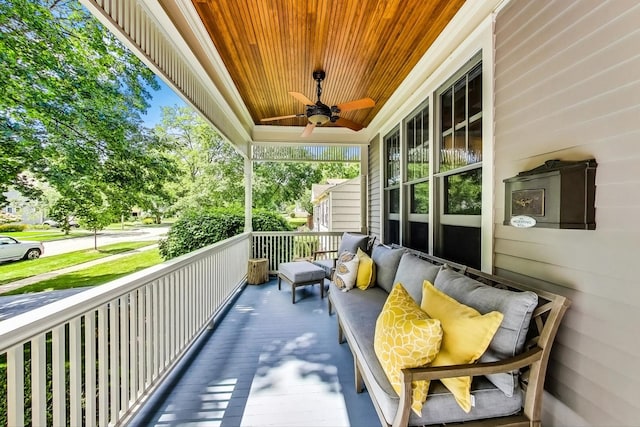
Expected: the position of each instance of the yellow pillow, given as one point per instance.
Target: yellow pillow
(466, 336)
(366, 270)
(405, 337)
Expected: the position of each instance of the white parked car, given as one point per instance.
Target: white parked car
(12, 249)
(54, 224)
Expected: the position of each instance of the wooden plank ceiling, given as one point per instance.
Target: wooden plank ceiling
(366, 48)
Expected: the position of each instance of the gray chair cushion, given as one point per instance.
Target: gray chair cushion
(386, 260)
(352, 241)
(412, 272)
(327, 265)
(517, 308)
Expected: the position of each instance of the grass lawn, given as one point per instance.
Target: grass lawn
(96, 275)
(47, 235)
(296, 222)
(17, 270)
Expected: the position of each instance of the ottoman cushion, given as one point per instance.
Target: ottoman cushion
(301, 271)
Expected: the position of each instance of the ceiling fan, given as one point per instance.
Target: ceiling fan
(318, 113)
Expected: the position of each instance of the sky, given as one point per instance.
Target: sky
(165, 97)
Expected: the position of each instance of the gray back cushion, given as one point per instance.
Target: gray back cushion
(517, 308)
(352, 241)
(412, 272)
(386, 260)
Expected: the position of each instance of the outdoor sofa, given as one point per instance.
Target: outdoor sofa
(507, 380)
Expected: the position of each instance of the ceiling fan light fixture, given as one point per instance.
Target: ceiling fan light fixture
(318, 119)
(319, 114)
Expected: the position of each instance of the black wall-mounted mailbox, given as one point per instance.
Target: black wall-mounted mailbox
(557, 194)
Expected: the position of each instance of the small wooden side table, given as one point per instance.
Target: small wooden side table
(258, 271)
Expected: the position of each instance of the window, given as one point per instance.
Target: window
(461, 121)
(392, 187)
(416, 143)
(459, 175)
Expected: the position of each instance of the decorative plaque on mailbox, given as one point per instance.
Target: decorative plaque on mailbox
(557, 194)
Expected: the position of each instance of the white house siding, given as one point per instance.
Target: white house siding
(567, 86)
(344, 202)
(373, 190)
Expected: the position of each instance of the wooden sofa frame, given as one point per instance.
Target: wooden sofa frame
(532, 362)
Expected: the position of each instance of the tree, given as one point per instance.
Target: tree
(211, 170)
(72, 95)
(277, 184)
(96, 217)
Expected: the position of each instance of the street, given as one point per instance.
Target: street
(105, 237)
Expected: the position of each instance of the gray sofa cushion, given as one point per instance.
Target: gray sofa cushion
(386, 260)
(517, 308)
(412, 272)
(360, 310)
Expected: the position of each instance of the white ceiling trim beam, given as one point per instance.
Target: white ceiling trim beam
(220, 74)
(325, 136)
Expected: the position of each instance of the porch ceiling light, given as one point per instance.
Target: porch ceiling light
(318, 119)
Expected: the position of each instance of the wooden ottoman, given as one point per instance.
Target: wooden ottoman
(301, 273)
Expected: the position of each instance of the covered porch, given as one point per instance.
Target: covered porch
(556, 84)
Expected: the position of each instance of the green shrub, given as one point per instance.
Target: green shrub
(305, 246)
(8, 228)
(7, 218)
(195, 230)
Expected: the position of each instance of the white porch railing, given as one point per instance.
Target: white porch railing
(285, 246)
(93, 358)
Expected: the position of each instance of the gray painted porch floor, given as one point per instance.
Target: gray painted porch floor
(268, 363)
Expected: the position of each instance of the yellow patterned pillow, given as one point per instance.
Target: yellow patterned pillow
(366, 270)
(466, 336)
(405, 337)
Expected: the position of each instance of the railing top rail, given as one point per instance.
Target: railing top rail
(20, 328)
(298, 233)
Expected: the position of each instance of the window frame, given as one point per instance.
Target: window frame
(441, 218)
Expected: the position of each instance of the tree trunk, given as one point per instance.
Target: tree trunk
(258, 271)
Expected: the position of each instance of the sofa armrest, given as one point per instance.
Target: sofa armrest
(430, 373)
(507, 365)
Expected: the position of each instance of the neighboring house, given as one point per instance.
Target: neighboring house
(23, 208)
(337, 205)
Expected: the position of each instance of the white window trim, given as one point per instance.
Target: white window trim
(481, 39)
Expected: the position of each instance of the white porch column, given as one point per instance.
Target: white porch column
(364, 190)
(248, 193)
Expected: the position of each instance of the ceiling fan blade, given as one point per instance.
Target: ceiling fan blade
(348, 124)
(307, 131)
(357, 104)
(291, 116)
(300, 97)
